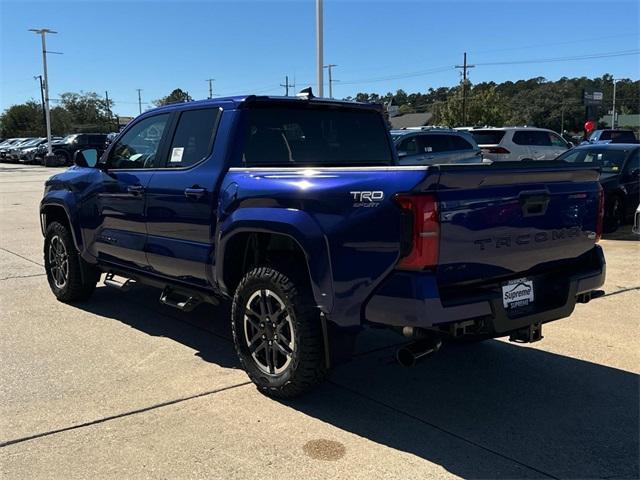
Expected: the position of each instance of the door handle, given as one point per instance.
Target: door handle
(135, 189)
(195, 192)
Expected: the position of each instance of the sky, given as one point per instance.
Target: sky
(249, 46)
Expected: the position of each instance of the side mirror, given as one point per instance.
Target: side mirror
(402, 153)
(86, 158)
(635, 173)
(570, 144)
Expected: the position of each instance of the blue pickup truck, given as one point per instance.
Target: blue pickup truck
(296, 209)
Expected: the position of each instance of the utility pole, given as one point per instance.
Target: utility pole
(319, 48)
(464, 68)
(286, 85)
(210, 80)
(329, 67)
(613, 109)
(106, 96)
(139, 100)
(47, 116)
(44, 115)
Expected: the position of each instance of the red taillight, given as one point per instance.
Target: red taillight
(499, 150)
(425, 231)
(600, 214)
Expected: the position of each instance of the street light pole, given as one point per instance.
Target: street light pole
(42, 32)
(319, 47)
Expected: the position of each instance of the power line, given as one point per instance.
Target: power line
(621, 53)
(555, 44)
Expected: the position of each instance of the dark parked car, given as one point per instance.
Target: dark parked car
(611, 136)
(620, 178)
(64, 150)
(435, 145)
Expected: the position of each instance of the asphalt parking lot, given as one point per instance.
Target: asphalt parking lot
(123, 387)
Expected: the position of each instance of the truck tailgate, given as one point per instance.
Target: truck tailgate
(502, 219)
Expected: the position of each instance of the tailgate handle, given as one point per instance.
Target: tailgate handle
(534, 203)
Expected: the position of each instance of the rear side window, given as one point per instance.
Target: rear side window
(314, 136)
(487, 137)
(193, 138)
(623, 137)
(96, 139)
(435, 143)
(532, 137)
(460, 143)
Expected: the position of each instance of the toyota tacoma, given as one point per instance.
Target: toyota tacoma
(295, 209)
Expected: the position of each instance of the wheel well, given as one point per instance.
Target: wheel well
(248, 250)
(52, 213)
(55, 213)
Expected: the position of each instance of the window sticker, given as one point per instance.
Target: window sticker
(176, 155)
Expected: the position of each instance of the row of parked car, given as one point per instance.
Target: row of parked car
(34, 150)
(616, 152)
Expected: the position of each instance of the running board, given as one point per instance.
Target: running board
(119, 282)
(179, 300)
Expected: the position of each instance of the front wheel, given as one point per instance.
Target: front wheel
(277, 333)
(70, 277)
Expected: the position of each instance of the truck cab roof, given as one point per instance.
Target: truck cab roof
(242, 101)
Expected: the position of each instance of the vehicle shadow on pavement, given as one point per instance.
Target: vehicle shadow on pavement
(623, 233)
(206, 329)
(562, 416)
(490, 410)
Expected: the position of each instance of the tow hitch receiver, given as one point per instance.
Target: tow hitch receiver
(529, 334)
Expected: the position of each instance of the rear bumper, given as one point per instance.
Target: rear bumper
(414, 299)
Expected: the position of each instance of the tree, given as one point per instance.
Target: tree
(176, 96)
(24, 120)
(87, 112)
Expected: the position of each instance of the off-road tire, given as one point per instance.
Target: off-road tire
(307, 366)
(81, 279)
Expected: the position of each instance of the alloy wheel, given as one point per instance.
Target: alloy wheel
(269, 332)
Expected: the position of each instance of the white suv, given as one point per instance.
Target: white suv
(519, 143)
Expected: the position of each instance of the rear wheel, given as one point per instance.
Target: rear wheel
(70, 277)
(60, 158)
(277, 333)
(613, 214)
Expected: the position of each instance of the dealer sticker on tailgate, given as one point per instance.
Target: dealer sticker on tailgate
(517, 293)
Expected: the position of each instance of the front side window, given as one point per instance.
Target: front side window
(277, 135)
(138, 147)
(192, 141)
(435, 143)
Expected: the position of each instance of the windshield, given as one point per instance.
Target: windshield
(30, 143)
(69, 138)
(487, 137)
(610, 161)
(314, 136)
